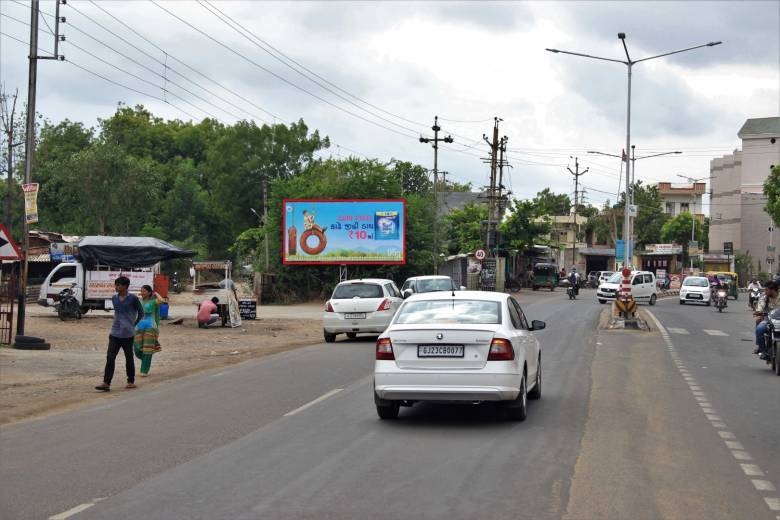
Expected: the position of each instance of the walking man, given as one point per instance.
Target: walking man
(128, 311)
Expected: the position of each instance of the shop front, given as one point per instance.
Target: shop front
(661, 257)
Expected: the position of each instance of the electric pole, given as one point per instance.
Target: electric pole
(495, 146)
(435, 141)
(576, 174)
(501, 164)
(29, 147)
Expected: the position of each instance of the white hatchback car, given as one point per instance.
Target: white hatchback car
(357, 306)
(466, 346)
(430, 283)
(695, 289)
(643, 287)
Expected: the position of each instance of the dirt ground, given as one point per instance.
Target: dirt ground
(33, 383)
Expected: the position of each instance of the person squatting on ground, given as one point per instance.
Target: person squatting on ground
(127, 313)
(147, 331)
(766, 303)
(207, 313)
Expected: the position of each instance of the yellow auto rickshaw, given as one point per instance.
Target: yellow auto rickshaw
(729, 279)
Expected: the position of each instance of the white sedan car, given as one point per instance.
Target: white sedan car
(695, 289)
(360, 306)
(467, 346)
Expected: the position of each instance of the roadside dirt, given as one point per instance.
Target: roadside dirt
(33, 383)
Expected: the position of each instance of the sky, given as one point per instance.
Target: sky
(372, 76)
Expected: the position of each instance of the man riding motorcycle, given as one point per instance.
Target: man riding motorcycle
(574, 280)
(766, 303)
(754, 292)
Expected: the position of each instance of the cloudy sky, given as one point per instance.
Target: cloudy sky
(376, 74)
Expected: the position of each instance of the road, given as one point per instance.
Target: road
(295, 435)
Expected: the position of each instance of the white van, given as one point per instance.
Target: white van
(642, 287)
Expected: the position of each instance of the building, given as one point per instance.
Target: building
(449, 201)
(562, 233)
(737, 200)
(683, 199)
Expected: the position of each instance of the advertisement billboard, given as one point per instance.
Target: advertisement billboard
(348, 231)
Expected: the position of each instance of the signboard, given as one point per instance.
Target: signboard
(338, 232)
(247, 308)
(619, 249)
(63, 251)
(8, 248)
(30, 202)
(100, 284)
(728, 248)
(480, 254)
(632, 210)
(663, 249)
(660, 274)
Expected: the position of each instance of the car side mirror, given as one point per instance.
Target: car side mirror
(407, 293)
(538, 325)
(462, 288)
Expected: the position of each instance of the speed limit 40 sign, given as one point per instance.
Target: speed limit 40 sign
(480, 254)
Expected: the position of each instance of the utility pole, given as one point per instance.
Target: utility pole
(501, 163)
(435, 141)
(494, 150)
(29, 156)
(577, 173)
(265, 220)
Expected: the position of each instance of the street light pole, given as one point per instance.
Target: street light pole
(629, 63)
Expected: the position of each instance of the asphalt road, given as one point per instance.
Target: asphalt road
(616, 434)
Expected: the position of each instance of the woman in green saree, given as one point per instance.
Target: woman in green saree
(147, 331)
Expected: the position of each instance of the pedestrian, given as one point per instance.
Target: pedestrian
(127, 313)
(207, 312)
(147, 331)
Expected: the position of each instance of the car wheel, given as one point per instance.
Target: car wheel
(777, 361)
(329, 338)
(386, 409)
(517, 410)
(602, 301)
(682, 302)
(352, 335)
(653, 298)
(536, 391)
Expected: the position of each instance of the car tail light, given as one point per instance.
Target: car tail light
(385, 305)
(329, 308)
(501, 350)
(384, 349)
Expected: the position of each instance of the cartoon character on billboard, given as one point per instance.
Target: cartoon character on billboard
(311, 229)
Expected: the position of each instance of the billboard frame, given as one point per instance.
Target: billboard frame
(360, 262)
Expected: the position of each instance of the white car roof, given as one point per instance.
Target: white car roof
(429, 277)
(694, 277)
(460, 295)
(366, 280)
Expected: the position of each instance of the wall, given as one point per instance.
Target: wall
(755, 230)
(725, 214)
(758, 154)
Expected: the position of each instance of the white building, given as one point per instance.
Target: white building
(683, 199)
(737, 201)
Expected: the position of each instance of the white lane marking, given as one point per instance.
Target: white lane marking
(708, 410)
(73, 511)
(752, 470)
(675, 330)
(737, 449)
(763, 485)
(312, 403)
(219, 374)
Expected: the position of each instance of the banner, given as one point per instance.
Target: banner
(353, 231)
(30, 202)
(63, 251)
(100, 284)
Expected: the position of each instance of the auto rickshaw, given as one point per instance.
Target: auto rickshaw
(545, 275)
(730, 279)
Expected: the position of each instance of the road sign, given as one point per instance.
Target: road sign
(728, 248)
(8, 248)
(693, 244)
(632, 210)
(480, 254)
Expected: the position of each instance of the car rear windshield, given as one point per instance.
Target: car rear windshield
(450, 311)
(357, 290)
(434, 284)
(696, 282)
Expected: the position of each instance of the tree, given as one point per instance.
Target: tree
(549, 203)
(650, 215)
(413, 177)
(464, 229)
(520, 230)
(772, 192)
(678, 230)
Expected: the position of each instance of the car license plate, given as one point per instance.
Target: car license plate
(355, 316)
(695, 296)
(454, 351)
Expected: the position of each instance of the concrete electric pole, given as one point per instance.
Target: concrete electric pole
(436, 139)
(577, 173)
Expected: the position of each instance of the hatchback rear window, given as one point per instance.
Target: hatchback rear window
(357, 290)
(434, 284)
(450, 311)
(696, 282)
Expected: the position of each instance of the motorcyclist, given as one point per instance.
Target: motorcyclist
(766, 303)
(754, 285)
(574, 280)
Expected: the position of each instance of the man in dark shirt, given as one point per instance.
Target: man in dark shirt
(128, 311)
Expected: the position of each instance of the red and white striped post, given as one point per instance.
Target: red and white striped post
(625, 288)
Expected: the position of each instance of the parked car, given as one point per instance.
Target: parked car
(643, 287)
(604, 276)
(467, 346)
(695, 289)
(360, 306)
(424, 284)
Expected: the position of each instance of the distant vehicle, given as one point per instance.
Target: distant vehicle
(604, 276)
(425, 284)
(643, 287)
(468, 346)
(545, 275)
(593, 279)
(695, 289)
(720, 298)
(360, 306)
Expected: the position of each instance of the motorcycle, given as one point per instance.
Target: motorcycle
(175, 283)
(67, 305)
(720, 299)
(753, 297)
(571, 290)
(772, 340)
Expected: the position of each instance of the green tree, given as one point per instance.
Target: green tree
(413, 177)
(464, 229)
(772, 192)
(650, 215)
(520, 229)
(678, 230)
(549, 203)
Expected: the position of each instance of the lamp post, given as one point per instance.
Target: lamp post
(693, 213)
(629, 63)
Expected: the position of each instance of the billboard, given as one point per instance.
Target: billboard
(349, 231)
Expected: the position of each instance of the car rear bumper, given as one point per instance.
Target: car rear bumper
(335, 323)
(446, 386)
(605, 296)
(694, 298)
